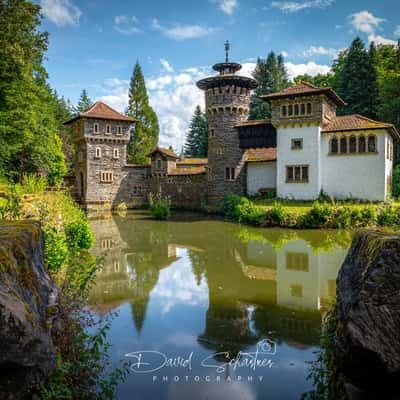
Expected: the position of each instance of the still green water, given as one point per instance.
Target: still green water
(207, 309)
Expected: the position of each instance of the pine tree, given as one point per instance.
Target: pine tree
(196, 144)
(356, 79)
(84, 102)
(145, 134)
(272, 77)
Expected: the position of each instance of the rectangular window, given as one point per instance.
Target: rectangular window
(296, 173)
(212, 132)
(106, 176)
(96, 128)
(116, 153)
(297, 261)
(98, 152)
(297, 144)
(229, 173)
(119, 130)
(108, 129)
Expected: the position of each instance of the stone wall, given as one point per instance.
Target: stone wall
(186, 191)
(226, 107)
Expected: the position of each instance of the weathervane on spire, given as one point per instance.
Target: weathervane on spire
(227, 51)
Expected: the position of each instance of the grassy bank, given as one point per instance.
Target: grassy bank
(322, 214)
(82, 371)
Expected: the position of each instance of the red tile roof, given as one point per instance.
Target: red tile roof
(356, 122)
(260, 154)
(192, 161)
(163, 150)
(303, 89)
(100, 110)
(188, 171)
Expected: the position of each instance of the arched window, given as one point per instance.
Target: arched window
(334, 145)
(290, 109)
(302, 109)
(353, 144)
(284, 111)
(361, 144)
(371, 144)
(296, 109)
(309, 108)
(343, 145)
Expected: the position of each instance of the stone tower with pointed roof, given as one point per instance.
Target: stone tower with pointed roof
(227, 98)
(100, 135)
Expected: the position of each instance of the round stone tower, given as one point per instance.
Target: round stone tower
(227, 104)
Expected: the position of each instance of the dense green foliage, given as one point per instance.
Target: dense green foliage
(159, 206)
(272, 77)
(321, 215)
(396, 181)
(29, 141)
(144, 136)
(196, 144)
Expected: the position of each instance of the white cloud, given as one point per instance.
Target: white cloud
(227, 6)
(182, 32)
(126, 25)
(378, 39)
(295, 6)
(284, 53)
(311, 68)
(159, 83)
(166, 65)
(320, 50)
(397, 31)
(364, 21)
(61, 12)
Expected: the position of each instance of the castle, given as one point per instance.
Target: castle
(304, 149)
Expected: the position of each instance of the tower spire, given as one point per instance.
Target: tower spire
(227, 51)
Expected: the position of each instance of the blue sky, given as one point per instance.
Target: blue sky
(95, 43)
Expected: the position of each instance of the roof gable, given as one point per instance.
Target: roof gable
(100, 110)
(304, 89)
(163, 150)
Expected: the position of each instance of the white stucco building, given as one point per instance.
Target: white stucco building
(315, 150)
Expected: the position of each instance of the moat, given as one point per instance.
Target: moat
(198, 301)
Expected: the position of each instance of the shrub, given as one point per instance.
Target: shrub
(56, 249)
(33, 184)
(250, 213)
(159, 206)
(79, 235)
(230, 205)
(342, 218)
(277, 214)
(388, 216)
(319, 216)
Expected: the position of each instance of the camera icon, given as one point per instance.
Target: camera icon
(266, 346)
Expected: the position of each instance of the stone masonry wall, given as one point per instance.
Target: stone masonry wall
(186, 191)
(226, 107)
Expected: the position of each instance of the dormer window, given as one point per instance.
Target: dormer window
(96, 128)
(108, 129)
(119, 130)
(158, 164)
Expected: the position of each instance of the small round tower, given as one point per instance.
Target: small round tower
(227, 104)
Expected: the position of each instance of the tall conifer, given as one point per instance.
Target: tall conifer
(196, 144)
(144, 136)
(84, 102)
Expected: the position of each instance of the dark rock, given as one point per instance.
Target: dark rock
(367, 342)
(27, 298)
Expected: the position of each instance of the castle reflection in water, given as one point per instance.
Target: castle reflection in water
(261, 282)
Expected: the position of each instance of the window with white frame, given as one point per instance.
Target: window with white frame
(108, 129)
(229, 173)
(116, 152)
(98, 152)
(119, 130)
(106, 176)
(96, 128)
